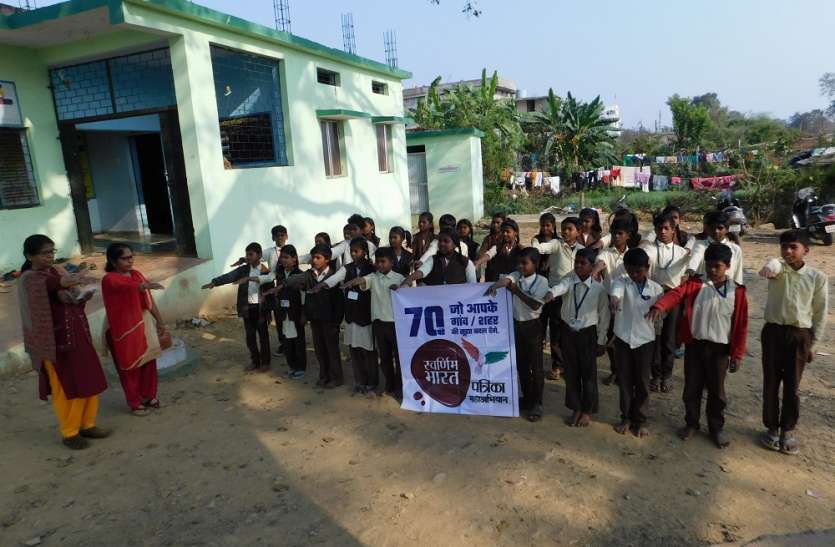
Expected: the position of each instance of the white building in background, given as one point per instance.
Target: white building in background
(613, 112)
(412, 96)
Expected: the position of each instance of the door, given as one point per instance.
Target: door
(418, 184)
(175, 176)
(154, 186)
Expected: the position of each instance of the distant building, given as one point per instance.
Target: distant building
(613, 112)
(525, 104)
(412, 96)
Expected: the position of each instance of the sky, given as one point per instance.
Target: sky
(760, 56)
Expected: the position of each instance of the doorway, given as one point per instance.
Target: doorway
(150, 168)
(418, 180)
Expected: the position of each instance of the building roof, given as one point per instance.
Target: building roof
(503, 84)
(436, 133)
(22, 21)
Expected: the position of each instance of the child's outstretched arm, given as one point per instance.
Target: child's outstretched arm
(558, 290)
(227, 278)
(501, 283)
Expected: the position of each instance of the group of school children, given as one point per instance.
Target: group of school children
(637, 298)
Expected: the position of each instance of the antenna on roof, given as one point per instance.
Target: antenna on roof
(349, 39)
(390, 41)
(27, 4)
(281, 10)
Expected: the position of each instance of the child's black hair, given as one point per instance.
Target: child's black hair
(254, 247)
(499, 214)
(548, 217)
(446, 221)
(662, 217)
(588, 253)
(398, 230)
(594, 215)
(465, 222)
(323, 235)
(623, 224)
(571, 220)
(718, 251)
(408, 238)
(427, 216)
(323, 250)
(279, 229)
(351, 227)
(359, 243)
(637, 258)
(532, 254)
(795, 236)
(289, 250)
(385, 252)
(715, 218)
(369, 221)
(357, 219)
(670, 209)
(452, 235)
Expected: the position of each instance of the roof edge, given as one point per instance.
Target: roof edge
(437, 133)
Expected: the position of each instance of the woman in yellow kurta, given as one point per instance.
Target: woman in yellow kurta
(57, 337)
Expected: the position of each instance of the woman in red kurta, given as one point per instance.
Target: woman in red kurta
(57, 337)
(133, 328)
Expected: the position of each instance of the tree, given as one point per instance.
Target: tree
(813, 122)
(827, 87)
(478, 107)
(690, 122)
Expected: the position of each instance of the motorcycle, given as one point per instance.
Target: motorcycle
(728, 204)
(818, 220)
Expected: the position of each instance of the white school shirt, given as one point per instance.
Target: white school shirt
(697, 259)
(667, 262)
(536, 287)
(380, 286)
(561, 258)
(613, 259)
(432, 250)
(271, 256)
(254, 287)
(586, 305)
(713, 313)
(426, 268)
(631, 325)
(651, 237)
(799, 298)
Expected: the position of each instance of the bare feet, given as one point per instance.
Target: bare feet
(623, 427)
(640, 432)
(572, 420)
(686, 432)
(584, 420)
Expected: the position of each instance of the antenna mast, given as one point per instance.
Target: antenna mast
(281, 11)
(390, 41)
(349, 39)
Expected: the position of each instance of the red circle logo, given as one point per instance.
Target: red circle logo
(441, 370)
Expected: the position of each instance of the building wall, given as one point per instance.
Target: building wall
(54, 216)
(232, 207)
(454, 175)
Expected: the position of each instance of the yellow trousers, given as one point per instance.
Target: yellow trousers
(73, 414)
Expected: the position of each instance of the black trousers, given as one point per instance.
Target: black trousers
(326, 346)
(386, 340)
(633, 366)
(550, 318)
(785, 350)
(529, 361)
(364, 365)
(610, 350)
(579, 351)
(281, 337)
(666, 346)
(256, 328)
(295, 349)
(705, 367)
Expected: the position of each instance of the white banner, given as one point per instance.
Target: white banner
(9, 107)
(457, 353)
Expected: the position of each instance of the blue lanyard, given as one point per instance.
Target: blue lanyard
(529, 291)
(579, 305)
(724, 292)
(641, 288)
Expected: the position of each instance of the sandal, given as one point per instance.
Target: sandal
(789, 446)
(653, 385)
(140, 411)
(769, 441)
(535, 414)
(553, 374)
(666, 386)
(153, 403)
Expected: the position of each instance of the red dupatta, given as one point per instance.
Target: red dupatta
(126, 307)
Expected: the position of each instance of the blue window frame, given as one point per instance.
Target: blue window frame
(250, 110)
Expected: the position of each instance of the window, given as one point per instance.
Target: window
(327, 77)
(332, 147)
(250, 111)
(379, 88)
(384, 148)
(531, 105)
(17, 179)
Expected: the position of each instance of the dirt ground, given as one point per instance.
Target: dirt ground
(236, 459)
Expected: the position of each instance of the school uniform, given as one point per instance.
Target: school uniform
(502, 262)
(697, 258)
(448, 270)
(403, 262)
(612, 259)
(667, 264)
(324, 311)
(357, 333)
(585, 316)
(560, 258)
(289, 319)
(432, 250)
(253, 309)
(795, 318)
(341, 252)
(550, 312)
(714, 328)
(634, 345)
(682, 239)
(382, 315)
(421, 242)
(471, 246)
(528, 334)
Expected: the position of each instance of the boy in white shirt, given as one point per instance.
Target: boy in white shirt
(667, 263)
(716, 225)
(529, 290)
(632, 298)
(585, 316)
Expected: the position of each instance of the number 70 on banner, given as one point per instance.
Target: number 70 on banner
(433, 320)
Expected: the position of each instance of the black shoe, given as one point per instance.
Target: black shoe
(95, 432)
(76, 443)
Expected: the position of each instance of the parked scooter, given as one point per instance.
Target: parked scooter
(728, 204)
(809, 214)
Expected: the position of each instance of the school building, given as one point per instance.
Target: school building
(188, 133)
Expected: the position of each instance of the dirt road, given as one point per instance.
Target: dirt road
(236, 459)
